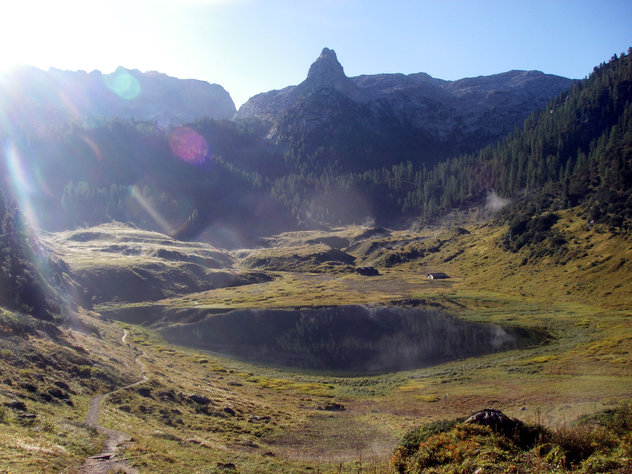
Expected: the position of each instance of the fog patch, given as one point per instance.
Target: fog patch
(369, 222)
(494, 203)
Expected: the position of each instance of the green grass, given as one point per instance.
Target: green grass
(45, 388)
(585, 305)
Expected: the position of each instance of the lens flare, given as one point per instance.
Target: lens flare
(20, 182)
(94, 147)
(137, 195)
(70, 105)
(24, 185)
(5, 123)
(123, 84)
(188, 145)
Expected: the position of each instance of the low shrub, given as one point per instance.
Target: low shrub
(601, 442)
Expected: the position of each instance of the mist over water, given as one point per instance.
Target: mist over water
(347, 339)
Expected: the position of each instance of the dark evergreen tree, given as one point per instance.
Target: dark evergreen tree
(22, 286)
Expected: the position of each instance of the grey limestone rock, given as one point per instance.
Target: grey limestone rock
(462, 114)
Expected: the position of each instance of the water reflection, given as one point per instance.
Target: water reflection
(355, 339)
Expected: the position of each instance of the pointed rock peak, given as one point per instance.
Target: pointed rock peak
(326, 69)
(328, 53)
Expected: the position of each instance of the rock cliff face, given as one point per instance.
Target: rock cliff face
(31, 98)
(413, 116)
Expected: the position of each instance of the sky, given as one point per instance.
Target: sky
(252, 46)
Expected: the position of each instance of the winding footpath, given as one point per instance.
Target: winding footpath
(108, 460)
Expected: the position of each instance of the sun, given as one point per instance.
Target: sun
(62, 34)
(9, 59)
(24, 27)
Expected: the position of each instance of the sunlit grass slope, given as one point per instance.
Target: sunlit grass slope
(118, 262)
(46, 382)
(200, 411)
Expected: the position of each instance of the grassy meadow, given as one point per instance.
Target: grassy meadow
(201, 412)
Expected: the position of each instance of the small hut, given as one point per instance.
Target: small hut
(437, 276)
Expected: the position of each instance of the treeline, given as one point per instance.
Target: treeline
(579, 148)
(22, 266)
(576, 151)
(85, 174)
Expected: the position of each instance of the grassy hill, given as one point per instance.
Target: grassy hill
(117, 262)
(200, 409)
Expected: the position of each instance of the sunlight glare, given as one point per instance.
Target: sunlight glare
(137, 195)
(20, 182)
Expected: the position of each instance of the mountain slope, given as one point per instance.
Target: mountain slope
(341, 150)
(579, 150)
(31, 282)
(128, 171)
(32, 99)
(549, 269)
(351, 124)
(115, 262)
(576, 151)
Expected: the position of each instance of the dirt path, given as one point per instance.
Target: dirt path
(108, 460)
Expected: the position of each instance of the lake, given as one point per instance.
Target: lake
(346, 339)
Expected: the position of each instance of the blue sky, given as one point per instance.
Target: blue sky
(251, 46)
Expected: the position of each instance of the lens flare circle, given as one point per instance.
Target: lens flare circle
(188, 145)
(123, 84)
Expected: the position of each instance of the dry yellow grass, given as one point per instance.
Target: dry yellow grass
(585, 304)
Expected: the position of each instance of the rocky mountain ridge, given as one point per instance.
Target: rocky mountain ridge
(31, 98)
(446, 117)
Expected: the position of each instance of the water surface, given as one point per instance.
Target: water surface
(351, 339)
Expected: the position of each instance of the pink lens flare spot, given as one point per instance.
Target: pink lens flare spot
(188, 145)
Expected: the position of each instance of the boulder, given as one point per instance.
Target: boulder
(167, 395)
(27, 416)
(259, 419)
(62, 385)
(496, 420)
(333, 407)
(367, 271)
(57, 393)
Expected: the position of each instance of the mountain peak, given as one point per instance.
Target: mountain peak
(326, 69)
(328, 53)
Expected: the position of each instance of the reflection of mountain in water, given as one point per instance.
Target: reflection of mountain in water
(347, 338)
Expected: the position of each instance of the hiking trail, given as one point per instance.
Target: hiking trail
(108, 460)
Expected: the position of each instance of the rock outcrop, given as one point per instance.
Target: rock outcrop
(408, 116)
(496, 420)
